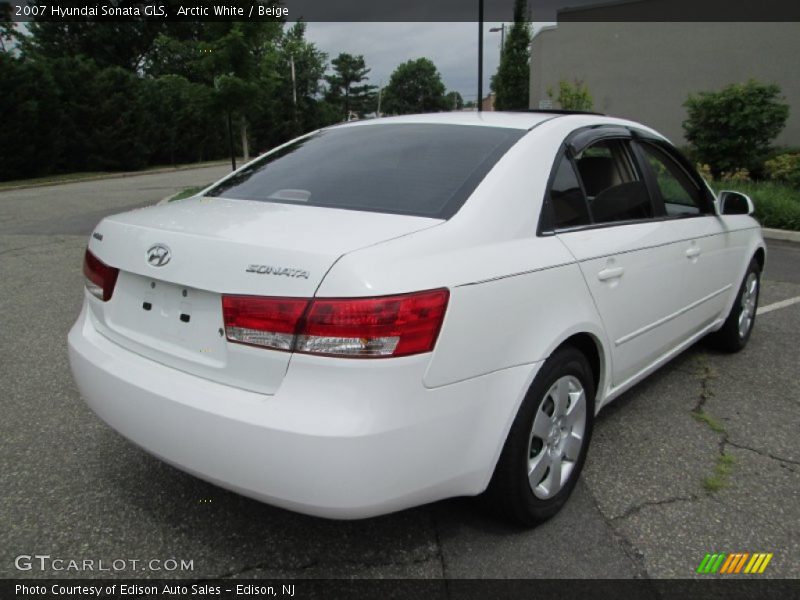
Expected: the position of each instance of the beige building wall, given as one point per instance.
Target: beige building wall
(645, 71)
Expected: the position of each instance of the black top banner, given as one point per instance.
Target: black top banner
(398, 10)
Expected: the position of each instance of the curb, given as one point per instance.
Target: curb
(120, 175)
(781, 234)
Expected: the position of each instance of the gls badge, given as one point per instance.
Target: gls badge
(270, 270)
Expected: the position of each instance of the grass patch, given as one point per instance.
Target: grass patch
(713, 424)
(722, 473)
(777, 204)
(53, 179)
(188, 192)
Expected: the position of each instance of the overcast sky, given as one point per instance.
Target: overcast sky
(453, 48)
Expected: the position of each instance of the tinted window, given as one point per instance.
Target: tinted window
(416, 169)
(566, 198)
(679, 193)
(614, 189)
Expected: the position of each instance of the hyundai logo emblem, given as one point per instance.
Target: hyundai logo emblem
(158, 255)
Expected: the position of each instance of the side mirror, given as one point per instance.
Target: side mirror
(735, 203)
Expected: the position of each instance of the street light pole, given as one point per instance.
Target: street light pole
(480, 55)
(502, 30)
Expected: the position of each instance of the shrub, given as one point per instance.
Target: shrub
(572, 96)
(737, 176)
(777, 205)
(784, 167)
(732, 129)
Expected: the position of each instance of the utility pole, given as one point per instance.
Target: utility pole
(294, 81)
(218, 89)
(294, 95)
(380, 94)
(480, 55)
(230, 142)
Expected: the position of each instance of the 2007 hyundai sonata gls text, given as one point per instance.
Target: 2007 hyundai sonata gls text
(386, 313)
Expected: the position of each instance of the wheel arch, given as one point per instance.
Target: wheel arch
(760, 256)
(592, 348)
(592, 344)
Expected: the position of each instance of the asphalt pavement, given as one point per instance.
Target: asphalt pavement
(701, 457)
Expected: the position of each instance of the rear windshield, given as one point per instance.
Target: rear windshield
(426, 170)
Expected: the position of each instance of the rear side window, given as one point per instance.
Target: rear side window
(426, 170)
(566, 198)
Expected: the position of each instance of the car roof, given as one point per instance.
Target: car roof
(510, 120)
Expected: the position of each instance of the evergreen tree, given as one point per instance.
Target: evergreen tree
(344, 89)
(512, 80)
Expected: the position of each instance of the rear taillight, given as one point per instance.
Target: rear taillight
(259, 321)
(100, 278)
(347, 327)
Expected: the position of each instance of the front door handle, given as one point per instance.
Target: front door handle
(693, 252)
(611, 273)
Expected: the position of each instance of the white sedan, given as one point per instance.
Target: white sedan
(386, 313)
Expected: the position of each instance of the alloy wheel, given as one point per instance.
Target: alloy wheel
(556, 437)
(748, 304)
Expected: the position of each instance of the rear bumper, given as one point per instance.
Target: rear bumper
(340, 438)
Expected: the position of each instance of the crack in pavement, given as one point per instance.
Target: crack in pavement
(440, 552)
(628, 548)
(707, 375)
(636, 508)
(761, 453)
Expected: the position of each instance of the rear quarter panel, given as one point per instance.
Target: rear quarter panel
(514, 296)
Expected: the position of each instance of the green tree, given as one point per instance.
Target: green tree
(572, 96)
(228, 57)
(108, 43)
(30, 140)
(128, 94)
(512, 80)
(733, 128)
(184, 124)
(454, 101)
(415, 86)
(345, 87)
(8, 33)
(299, 100)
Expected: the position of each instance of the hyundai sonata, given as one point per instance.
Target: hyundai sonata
(386, 313)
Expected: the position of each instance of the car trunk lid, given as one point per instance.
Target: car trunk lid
(177, 260)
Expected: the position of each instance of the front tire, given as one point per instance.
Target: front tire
(735, 332)
(546, 446)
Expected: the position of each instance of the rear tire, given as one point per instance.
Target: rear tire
(546, 446)
(735, 332)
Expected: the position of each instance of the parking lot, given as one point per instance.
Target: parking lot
(701, 457)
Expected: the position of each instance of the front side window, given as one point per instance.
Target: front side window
(680, 194)
(426, 170)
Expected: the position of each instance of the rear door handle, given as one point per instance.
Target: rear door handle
(693, 252)
(611, 273)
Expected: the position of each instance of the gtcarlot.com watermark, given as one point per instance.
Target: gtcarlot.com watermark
(48, 563)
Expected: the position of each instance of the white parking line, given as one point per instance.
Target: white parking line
(777, 305)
